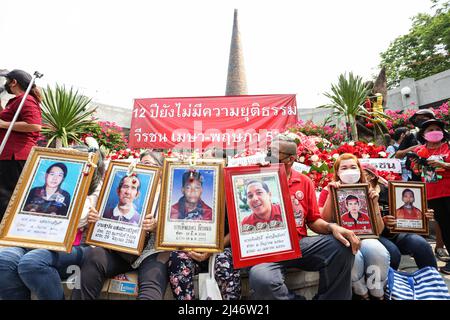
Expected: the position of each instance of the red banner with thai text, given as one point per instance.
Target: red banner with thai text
(230, 122)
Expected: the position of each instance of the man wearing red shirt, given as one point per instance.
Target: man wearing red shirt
(354, 219)
(24, 134)
(331, 252)
(408, 210)
(264, 213)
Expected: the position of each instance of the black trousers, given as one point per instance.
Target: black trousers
(441, 209)
(10, 171)
(100, 264)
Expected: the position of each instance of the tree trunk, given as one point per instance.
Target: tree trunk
(58, 143)
(354, 129)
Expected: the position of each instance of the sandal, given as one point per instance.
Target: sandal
(442, 254)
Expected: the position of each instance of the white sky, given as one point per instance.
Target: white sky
(116, 51)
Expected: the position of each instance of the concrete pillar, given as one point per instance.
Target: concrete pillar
(236, 80)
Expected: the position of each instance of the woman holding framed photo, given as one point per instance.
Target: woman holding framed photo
(435, 151)
(348, 170)
(101, 263)
(24, 272)
(399, 243)
(184, 265)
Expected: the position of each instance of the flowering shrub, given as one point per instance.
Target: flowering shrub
(401, 119)
(362, 150)
(124, 154)
(109, 135)
(309, 128)
(442, 113)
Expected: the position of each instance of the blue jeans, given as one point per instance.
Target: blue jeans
(38, 271)
(370, 270)
(411, 244)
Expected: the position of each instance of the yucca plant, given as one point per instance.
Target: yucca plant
(66, 115)
(347, 99)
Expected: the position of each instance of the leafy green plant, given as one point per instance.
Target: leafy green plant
(347, 100)
(66, 115)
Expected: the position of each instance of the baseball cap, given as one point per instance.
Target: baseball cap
(23, 78)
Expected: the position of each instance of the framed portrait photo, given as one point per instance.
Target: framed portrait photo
(126, 197)
(408, 203)
(192, 207)
(354, 210)
(260, 215)
(48, 200)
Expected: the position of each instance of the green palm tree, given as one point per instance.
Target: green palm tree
(66, 115)
(347, 99)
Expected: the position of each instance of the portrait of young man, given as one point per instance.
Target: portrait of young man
(408, 210)
(191, 206)
(263, 212)
(125, 211)
(353, 218)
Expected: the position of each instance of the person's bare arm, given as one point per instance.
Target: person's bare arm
(21, 126)
(327, 211)
(400, 154)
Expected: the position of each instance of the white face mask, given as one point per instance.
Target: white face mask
(350, 176)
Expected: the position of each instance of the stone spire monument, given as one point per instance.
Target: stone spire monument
(236, 80)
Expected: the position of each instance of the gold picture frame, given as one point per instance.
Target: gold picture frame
(359, 194)
(135, 236)
(27, 221)
(204, 232)
(407, 224)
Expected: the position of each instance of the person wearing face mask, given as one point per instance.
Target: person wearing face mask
(435, 144)
(331, 252)
(370, 270)
(399, 243)
(24, 134)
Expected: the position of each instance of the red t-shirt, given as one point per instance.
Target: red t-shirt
(360, 225)
(304, 201)
(440, 188)
(405, 213)
(275, 215)
(20, 143)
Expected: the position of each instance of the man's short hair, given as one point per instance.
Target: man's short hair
(398, 132)
(192, 175)
(122, 181)
(407, 190)
(263, 184)
(351, 197)
(156, 156)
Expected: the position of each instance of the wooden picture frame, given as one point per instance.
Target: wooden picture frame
(36, 220)
(135, 191)
(350, 197)
(202, 228)
(254, 241)
(409, 220)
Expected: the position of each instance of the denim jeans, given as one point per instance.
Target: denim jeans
(370, 270)
(320, 253)
(38, 271)
(411, 244)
